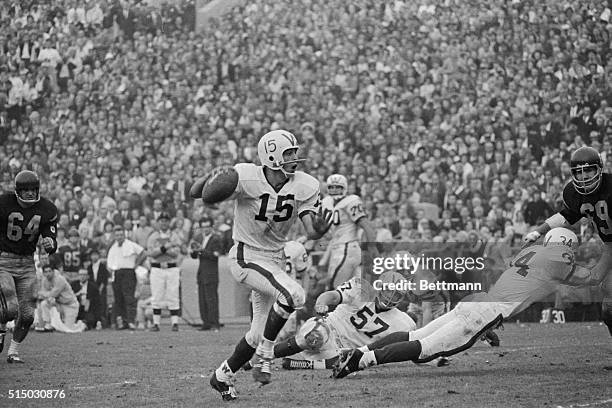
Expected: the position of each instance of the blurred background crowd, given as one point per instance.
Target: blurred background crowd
(453, 120)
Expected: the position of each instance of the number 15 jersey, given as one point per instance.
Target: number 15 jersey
(264, 217)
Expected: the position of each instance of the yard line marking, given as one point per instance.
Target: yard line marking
(115, 384)
(496, 350)
(586, 404)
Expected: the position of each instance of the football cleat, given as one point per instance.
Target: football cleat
(247, 366)
(291, 364)
(226, 389)
(348, 363)
(14, 359)
(491, 338)
(262, 372)
(154, 328)
(175, 327)
(2, 335)
(443, 362)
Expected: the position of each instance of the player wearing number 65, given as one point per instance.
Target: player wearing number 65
(24, 216)
(533, 274)
(269, 200)
(589, 194)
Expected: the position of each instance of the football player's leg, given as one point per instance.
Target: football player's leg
(172, 296)
(24, 286)
(336, 270)
(606, 304)
(157, 294)
(9, 305)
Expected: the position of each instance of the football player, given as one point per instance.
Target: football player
(71, 257)
(533, 274)
(348, 216)
(356, 320)
(270, 199)
(24, 217)
(589, 194)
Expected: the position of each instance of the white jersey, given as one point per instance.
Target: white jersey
(346, 213)
(262, 216)
(534, 273)
(356, 322)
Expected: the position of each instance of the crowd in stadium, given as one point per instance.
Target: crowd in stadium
(451, 125)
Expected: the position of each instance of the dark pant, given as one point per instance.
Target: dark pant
(125, 302)
(209, 303)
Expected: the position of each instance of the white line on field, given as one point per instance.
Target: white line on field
(128, 383)
(586, 404)
(496, 350)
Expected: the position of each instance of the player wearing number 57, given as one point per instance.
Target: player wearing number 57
(269, 200)
(24, 217)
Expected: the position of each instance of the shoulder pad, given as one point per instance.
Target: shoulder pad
(306, 185)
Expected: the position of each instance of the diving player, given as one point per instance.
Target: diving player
(533, 274)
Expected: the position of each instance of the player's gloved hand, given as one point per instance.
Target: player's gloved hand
(48, 244)
(321, 310)
(532, 236)
(322, 221)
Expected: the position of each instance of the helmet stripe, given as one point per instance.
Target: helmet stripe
(290, 139)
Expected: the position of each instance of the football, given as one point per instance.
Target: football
(220, 185)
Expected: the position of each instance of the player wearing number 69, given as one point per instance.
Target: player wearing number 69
(589, 194)
(533, 274)
(269, 200)
(24, 216)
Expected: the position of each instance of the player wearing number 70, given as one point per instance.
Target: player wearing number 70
(24, 216)
(269, 200)
(533, 274)
(589, 194)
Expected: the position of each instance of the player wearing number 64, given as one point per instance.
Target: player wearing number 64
(270, 198)
(533, 274)
(24, 217)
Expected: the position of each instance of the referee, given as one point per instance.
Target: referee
(164, 250)
(123, 257)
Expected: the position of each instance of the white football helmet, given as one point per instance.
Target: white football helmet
(390, 298)
(337, 185)
(271, 148)
(561, 236)
(297, 258)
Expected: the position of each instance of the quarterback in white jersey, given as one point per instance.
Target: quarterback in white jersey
(269, 200)
(362, 315)
(533, 274)
(348, 217)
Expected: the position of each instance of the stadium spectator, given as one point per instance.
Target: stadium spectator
(58, 306)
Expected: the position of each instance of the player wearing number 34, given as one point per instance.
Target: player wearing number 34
(269, 200)
(589, 194)
(534, 273)
(24, 217)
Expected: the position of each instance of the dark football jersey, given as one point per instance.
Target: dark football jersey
(20, 227)
(595, 206)
(72, 258)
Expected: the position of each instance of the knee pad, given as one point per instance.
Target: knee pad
(297, 299)
(313, 334)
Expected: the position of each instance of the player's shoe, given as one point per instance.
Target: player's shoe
(443, 362)
(492, 338)
(262, 372)
(226, 389)
(175, 327)
(291, 364)
(14, 359)
(154, 328)
(348, 363)
(247, 366)
(2, 335)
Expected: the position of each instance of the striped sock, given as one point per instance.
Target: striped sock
(13, 348)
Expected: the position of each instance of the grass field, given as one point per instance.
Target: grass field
(536, 366)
